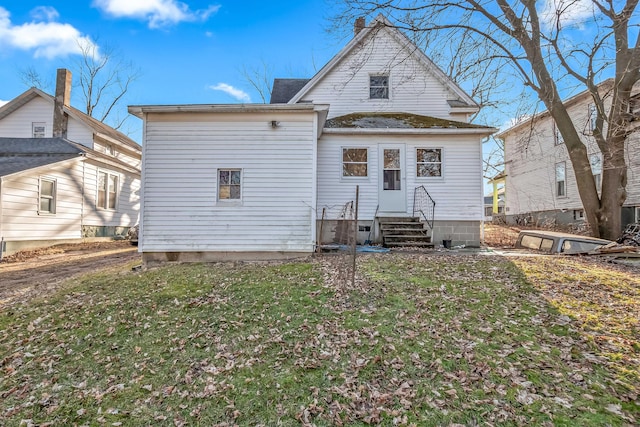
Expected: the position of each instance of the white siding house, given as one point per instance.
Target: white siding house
(58, 182)
(379, 116)
(540, 182)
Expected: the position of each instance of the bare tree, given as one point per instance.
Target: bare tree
(104, 80)
(539, 42)
(260, 78)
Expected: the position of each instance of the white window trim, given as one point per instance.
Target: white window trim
(555, 181)
(388, 76)
(54, 197)
(355, 178)
(106, 197)
(599, 183)
(229, 202)
(38, 124)
(557, 137)
(442, 168)
(592, 116)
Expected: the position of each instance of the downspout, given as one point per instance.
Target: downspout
(314, 184)
(82, 192)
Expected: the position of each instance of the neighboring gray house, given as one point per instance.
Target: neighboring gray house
(64, 176)
(540, 183)
(261, 180)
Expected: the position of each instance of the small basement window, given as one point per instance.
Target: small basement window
(229, 184)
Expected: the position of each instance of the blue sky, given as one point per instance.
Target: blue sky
(182, 49)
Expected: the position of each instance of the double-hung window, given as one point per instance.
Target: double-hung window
(47, 196)
(379, 86)
(229, 184)
(596, 169)
(38, 129)
(354, 162)
(593, 117)
(557, 136)
(428, 162)
(107, 190)
(561, 182)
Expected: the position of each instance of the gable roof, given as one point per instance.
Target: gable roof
(464, 101)
(96, 126)
(284, 89)
(20, 154)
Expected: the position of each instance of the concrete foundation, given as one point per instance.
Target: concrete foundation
(459, 232)
(153, 258)
(12, 247)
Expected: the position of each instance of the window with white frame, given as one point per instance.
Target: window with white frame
(47, 196)
(38, 129)
(229, 184)
(355, 162)
(637, 214)
(557, 136)
(107, 190)
(596, 169)
(578, 214)
(561, 182)
(593, 117)
(428, 162)
(379, 86)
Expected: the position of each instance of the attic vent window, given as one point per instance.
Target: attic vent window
(379, 86)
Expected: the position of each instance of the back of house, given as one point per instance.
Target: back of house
(238, 181)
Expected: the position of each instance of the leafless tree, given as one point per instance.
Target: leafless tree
(104, 79)
(260, 78)
(549, 46)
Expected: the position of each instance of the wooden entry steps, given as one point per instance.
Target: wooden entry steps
(404, 232)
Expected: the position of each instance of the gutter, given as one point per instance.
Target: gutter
(139, 110)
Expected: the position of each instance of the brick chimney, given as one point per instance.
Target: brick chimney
(62, 98)
(358, 25)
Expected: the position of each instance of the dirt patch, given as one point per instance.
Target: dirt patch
(500, 236)
(28, 274)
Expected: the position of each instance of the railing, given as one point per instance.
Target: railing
(424, 205)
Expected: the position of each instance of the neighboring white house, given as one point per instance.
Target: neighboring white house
(540, 182)
(261, 180)
(64, 176)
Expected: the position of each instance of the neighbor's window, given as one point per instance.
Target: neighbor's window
(557, 136)
(379, 86)
(596, 169)
(561, 170)
(229, 184)
(354, 162)
(593, 116)
(38, 129)
(578, 214)
(107, 190)
(47, 196)
(429, 162)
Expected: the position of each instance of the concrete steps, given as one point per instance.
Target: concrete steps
(404, 232)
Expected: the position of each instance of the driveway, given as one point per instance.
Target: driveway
(37, 273)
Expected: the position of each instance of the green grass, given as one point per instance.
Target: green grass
(419, 340)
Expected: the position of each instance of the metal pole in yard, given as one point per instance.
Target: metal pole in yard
(355, 238)
(319, 239)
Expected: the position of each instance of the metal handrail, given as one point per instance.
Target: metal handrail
(424, 204)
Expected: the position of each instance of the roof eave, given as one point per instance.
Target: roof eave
(140, 110)
(403, 131)
(37, 169)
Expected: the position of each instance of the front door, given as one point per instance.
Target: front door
(392, 193)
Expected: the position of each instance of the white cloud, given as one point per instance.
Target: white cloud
(238, 94)
(568, 12)
(44, 13)
(45, 39)
(159, 13)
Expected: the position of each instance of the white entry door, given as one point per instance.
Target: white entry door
(392, 191)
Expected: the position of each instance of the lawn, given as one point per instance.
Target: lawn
(418, 340)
